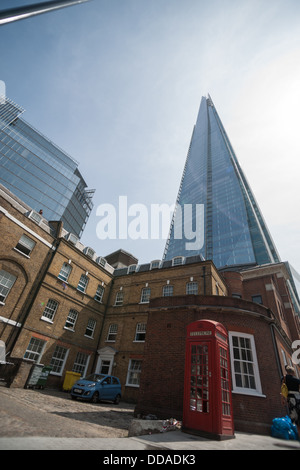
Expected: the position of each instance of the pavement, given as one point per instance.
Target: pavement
(49, 420)
(172, 441)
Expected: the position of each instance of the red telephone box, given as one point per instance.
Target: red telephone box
(207, 407)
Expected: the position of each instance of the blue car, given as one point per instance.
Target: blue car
(96, 387)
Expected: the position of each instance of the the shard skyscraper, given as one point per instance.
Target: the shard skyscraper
(216, 213)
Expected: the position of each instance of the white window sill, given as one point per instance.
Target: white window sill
(81, 291)
(47, 320)
(21, 253)
(69, 329)
(252, 393)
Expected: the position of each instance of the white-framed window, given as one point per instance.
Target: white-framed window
(132, 268)
(35, 349)
(112, 332)
(50, 310)
(244, 365)
(90, 328)
(83, 282)
(177, 261)
(119, 298)
(7, 280)
(71, 319)
(58, 360)
(99, 293)
(81, 363)
(65, 272)
(192, 288)
(25, 245)
(134, 373)
(168, 290)
(140, 332)
(145, 296)
(155, 264)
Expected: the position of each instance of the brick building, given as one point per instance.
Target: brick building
(53, 292)
(261, 323)
(62, 304)
(125, 327)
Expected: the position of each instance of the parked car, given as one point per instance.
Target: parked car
(97, 387)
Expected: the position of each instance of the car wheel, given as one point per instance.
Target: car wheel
(95, 397)
(73, 398)
(117, 399)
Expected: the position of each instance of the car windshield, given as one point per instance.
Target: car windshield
(94, 377)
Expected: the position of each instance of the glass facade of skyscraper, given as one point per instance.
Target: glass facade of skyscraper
(40, 173)
(232, 230)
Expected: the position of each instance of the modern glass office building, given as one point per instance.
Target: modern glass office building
(216, 213)
(40, 173)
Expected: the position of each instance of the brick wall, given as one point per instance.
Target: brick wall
(162, 380)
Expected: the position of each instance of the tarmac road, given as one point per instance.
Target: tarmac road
(50, 420)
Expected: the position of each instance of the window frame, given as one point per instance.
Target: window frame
(168, 290)
(10, 279)
(145, 297)
(112, 333)
(60, 361)
(119, 298)
(36, 356)
(188, 285)
(92, 329)
(99, 293)
(20, 246)
(257, 296)
(65, 277)
(140, 329)
(132, 370)
(80, 366)
(53, 309)
(178, 260)
(70, 320)
(81, 287)
(257, 391)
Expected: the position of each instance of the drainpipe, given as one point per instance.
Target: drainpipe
(204, 280)
(276, 350)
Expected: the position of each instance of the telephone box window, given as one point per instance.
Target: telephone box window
(224, 382)
(199, 391)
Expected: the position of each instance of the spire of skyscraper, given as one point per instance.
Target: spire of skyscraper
(216, 213)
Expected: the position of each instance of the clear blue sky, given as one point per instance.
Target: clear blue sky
(117, 84)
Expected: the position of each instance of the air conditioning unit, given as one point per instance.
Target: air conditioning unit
(89, 252)
(72, 238)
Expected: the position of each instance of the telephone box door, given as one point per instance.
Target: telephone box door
(207, 407)
(198, 386)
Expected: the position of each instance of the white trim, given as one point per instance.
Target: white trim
(10, 322)
(59, 374)
(245, 391)
(20, 224)
(105, 354)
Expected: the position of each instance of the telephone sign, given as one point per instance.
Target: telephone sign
(207, 408)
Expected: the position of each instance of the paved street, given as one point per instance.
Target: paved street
(50, 420)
